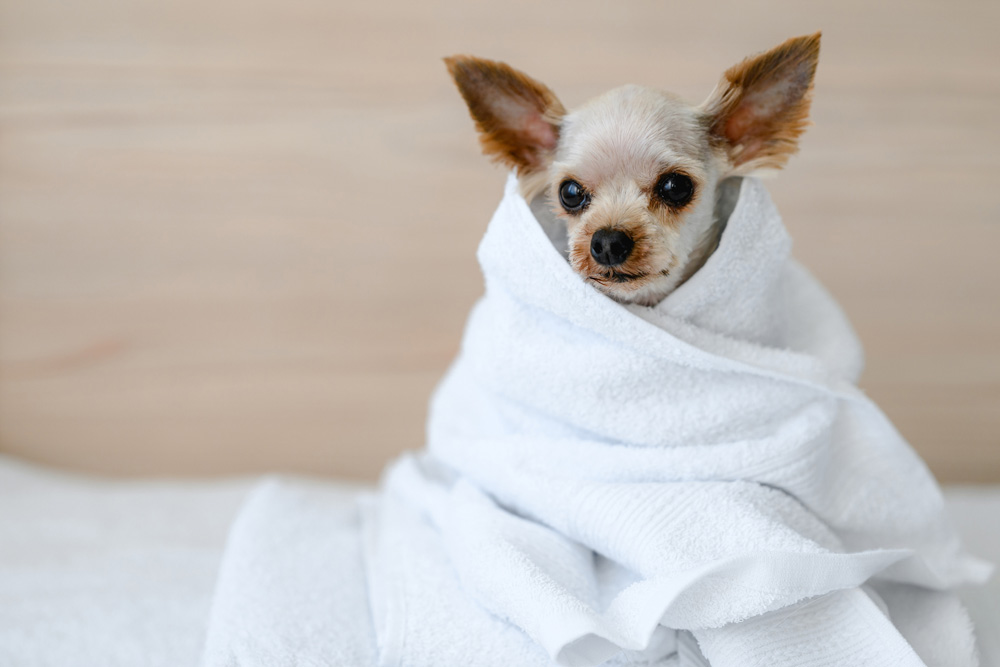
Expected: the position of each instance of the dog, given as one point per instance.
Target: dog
(636, 185)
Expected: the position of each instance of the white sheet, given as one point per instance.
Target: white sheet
(95, 573)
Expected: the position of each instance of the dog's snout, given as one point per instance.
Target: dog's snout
(610, 247)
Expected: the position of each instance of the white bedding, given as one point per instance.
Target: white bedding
(102, 573)
(96, 572)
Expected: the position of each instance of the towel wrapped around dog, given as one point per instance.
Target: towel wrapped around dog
(697, 480)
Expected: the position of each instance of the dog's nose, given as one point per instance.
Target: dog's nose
(610, 247)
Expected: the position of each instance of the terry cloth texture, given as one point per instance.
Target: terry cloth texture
(606, 481)
(120, 573)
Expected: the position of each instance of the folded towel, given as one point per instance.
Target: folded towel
(611, 480)
(291, 590)
(291, 587)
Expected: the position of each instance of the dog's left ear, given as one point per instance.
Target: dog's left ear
(761, 106)
(517, 117)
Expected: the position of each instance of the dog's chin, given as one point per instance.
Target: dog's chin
(644, 279)
(640, 289)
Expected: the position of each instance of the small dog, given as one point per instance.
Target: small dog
(636, 185)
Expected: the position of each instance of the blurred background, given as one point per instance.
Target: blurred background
(239, 236)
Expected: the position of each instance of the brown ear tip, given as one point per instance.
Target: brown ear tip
(455, 62)
(807, 43)
(471, 68)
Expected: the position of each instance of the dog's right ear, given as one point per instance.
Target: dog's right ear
(517, 117)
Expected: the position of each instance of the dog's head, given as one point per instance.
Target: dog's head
(635, 174)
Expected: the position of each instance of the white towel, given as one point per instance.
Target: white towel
(602, 476)
(291, 587)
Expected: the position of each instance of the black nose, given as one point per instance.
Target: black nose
(610, 247)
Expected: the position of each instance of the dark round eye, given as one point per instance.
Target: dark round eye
(572, 196)
(675, 189)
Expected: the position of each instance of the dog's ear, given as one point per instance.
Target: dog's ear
(761, 106)
(517, 117)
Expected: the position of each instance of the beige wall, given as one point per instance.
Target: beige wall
(238, 236)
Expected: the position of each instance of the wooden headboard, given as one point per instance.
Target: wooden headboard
(237, 238)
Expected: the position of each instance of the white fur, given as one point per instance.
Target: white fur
(617, 146)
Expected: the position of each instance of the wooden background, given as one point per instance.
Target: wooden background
(238, 235)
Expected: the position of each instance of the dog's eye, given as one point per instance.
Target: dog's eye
(572, 196)
(675, 189)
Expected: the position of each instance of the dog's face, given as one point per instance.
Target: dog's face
(632, 178)
(635, 174)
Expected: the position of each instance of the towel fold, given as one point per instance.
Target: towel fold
(610, 481)
(291, 587)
